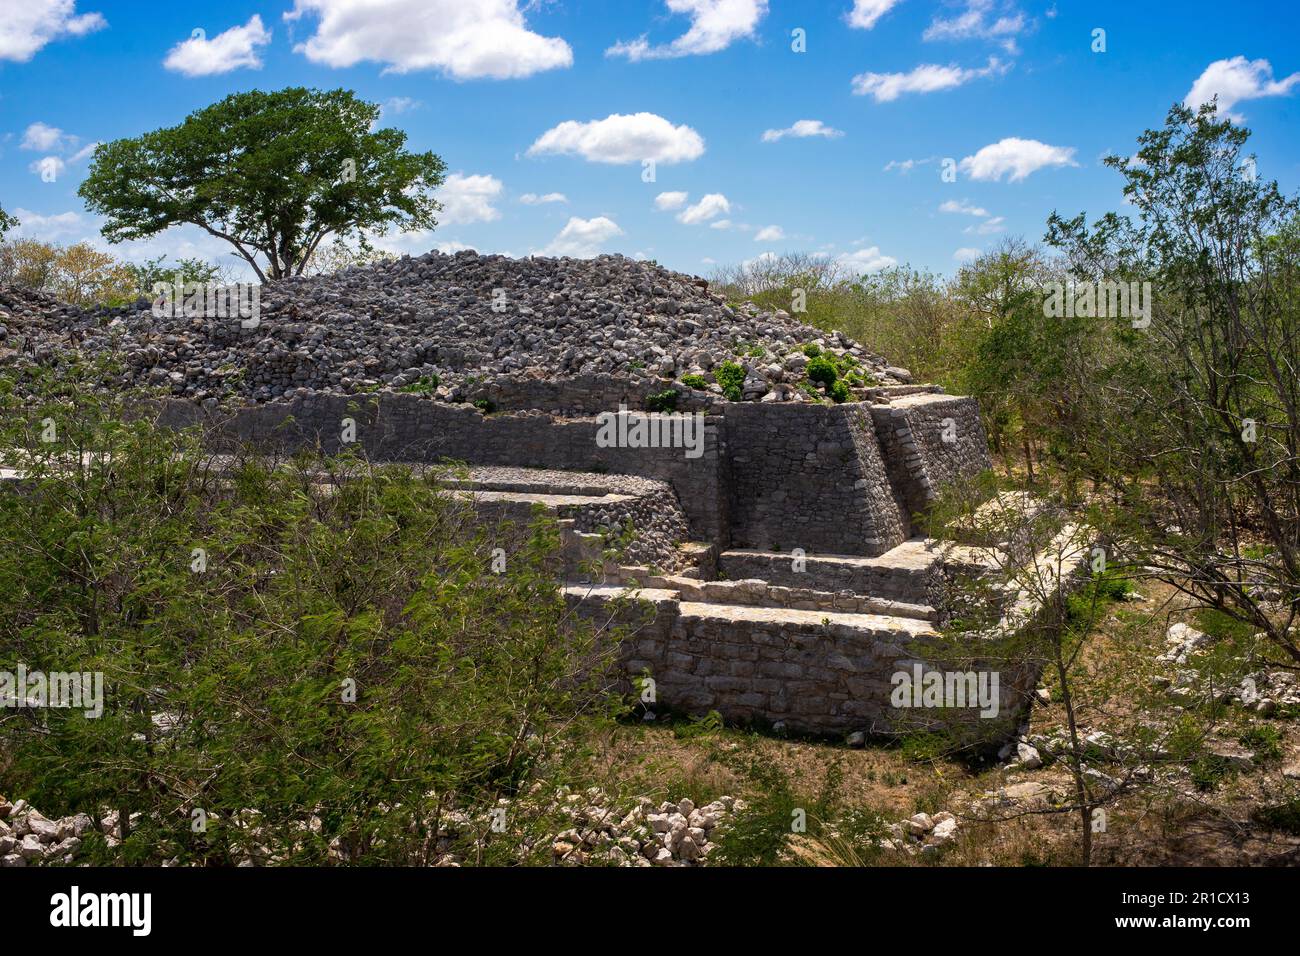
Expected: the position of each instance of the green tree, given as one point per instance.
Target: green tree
(323, 642)
(1195, 430)
(7, 222)
(273, 174)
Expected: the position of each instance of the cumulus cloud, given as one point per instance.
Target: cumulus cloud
(802, 129)
(466, 39)
(1016, 157)
(769, 234)
(45, 138)
(532, 199)
(49, 168)
(866, 13)
(1235, 80)
(988, 227)
(964, 207)
(622, 138)
(233, 49)
(966, 254)
(926, 78)
(868, 260)
(709, 207)
(48, 228)
(582, 238)
(996, 20)
(715, 25)
(28, 25)
(670, 200)
(467, 199)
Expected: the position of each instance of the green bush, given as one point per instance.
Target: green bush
(732, 379)
(812, 350)
(839, 390)
(822, 369)
(697, 382)
(328, 647)
(665, 401)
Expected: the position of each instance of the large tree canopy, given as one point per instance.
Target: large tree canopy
(270, 173)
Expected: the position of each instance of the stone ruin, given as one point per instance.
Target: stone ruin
(774, 561)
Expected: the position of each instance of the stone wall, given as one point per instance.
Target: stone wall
(772, 476)
(810, 477)
(913, 434)
(399, 427)
(808, 672)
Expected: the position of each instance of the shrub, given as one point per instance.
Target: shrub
(697, 382)
(839, 391)
(422, 386)
(342, 651)
(665, 401)
(822, 369)
(732, 379)
(812, 350)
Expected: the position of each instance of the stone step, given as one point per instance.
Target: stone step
(911, 573)
(756, 592)
(841, 624)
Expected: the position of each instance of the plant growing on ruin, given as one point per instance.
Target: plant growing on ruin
(273, 174)
(665, 401)
(731, 377)
(822, 370)
(697, 382)
(324, 643)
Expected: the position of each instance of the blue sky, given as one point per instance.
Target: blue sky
(568, 97)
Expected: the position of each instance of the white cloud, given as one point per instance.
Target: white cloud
(988, 227)
(866, 260)
(234, 49)
(85, 152)
(42, 137)
(27, 25)
(966, 254)
(709, 207)
(964, 207)
(48, 228)
(467, 40)
(670, 200)
(467, 199)
(769, 234)
(721, 224)
(397, 105)
(996, 20)
(1236, 80)
(715, 25)
(1019, 157)
(926, 78)
(801, 129)
(532, 199)
(905, 166)
(622, 138)
(582, 238)
(865, 13)
(49, 168)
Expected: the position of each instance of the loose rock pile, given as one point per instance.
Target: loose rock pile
(1267, 693)
(446, 325)
(27, 837)
(667, 834)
